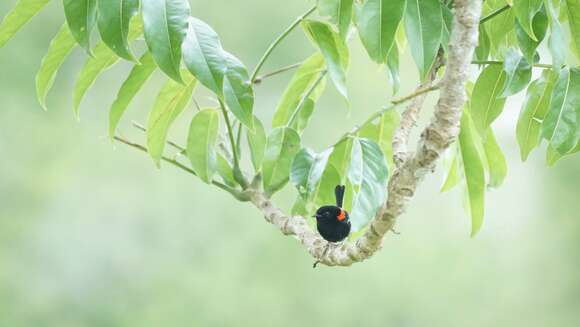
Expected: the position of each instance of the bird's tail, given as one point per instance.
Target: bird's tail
(339, 194)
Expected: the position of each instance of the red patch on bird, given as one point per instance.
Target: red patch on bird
(341, 216)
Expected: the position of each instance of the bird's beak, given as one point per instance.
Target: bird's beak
(316, 216)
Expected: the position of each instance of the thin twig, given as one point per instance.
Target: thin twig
(493, 14)
(278, 40)
(415, 94)
(237, 172)
(234, 192)
(496, 62)
(173, 144)
(261, 78)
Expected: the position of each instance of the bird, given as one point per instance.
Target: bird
(332, 221)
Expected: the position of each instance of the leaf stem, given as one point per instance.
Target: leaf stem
(261, 78)
(494, 13)
(173, 144)
(278, 40)
(496, 62)
(238, 175)
(305, 97)
(237, 194)
(415, 94)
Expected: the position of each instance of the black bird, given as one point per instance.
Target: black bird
(332, 221)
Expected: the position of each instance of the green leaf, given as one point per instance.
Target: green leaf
(424, 29)
(486, 103)
(257, 143)
(496, 162)
(453, 178)
(552, 155)
(302, 81)
(238, 91)
(102, 59)
(340, 12)
(18, 17)
(81, 17)
(368, 171)
(557, 41)
(225, 170)
(500, 29)
(113, 23)
(525, 10)
(534, 109)
(484, 46)
(377, 22)
(382, 132)
(307, 169)
(527, 44)
(60, 47)
(473, 170)
(202, 143)
(518, 73)
(340, 157)
(134, 82)
(170, 102)
(281, 147)
(574, 22)
(324, 191)
(165, 25)
(203, 55)
(393, 67)
(562, 124)
(333, 49)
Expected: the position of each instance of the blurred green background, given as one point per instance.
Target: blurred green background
(92, 234)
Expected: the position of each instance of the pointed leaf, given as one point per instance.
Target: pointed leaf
(340, 12)
(113, 22)
(393, 67)
(453, 178)
(496, 162)
(81, 17)
(307, 169)
(557, 42)
(60, 47)
(486, 103)
(323, 194)
(102, 59)
(562, 124)
(333, 49)
(134, 82)
(534, 109)
(518, 73)
(225, 170)
(473, 170)
(301, 82)
(165, 26)
(170, 102)
(368, 172)
(281, 147)
(424, 29)
(18, 17)
(382, 132)
(257, 143)
(340, 158)
(525, 10)
(552, 155)
(202, 143)
(203, 55)
(377, 22)
(574, 21)
(527, 44)
(238, 91)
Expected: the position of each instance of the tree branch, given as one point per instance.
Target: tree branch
(277, 41)
(440, 133)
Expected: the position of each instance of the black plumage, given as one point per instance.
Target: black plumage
(332, 221)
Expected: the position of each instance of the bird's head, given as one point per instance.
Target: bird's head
(331, 213)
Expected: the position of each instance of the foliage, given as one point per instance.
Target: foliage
(514, 38)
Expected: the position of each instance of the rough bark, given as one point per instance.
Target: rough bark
(436, 138)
